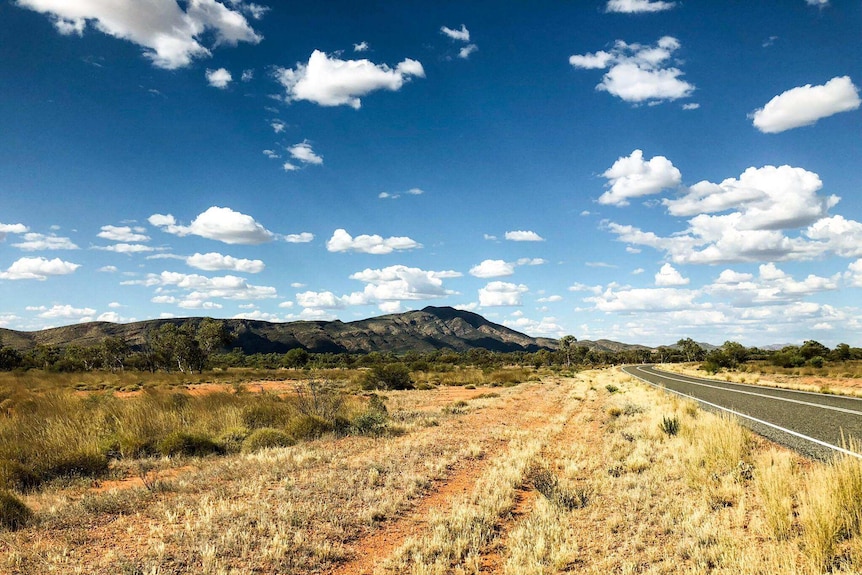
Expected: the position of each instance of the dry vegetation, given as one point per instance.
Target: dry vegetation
(591, 474)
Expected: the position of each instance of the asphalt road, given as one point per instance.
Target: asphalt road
(814, 424)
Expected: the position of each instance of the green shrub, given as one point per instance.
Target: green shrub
(13, 513)
(308, 427)
(612, 388)
(232, 439)
(266, 412)
(670, 425)
(371, 422)
(183, 443)
(389, 376)
(266, 437)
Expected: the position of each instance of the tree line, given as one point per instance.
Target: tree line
(195, 347)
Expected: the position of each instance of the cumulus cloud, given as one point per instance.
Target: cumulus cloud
(123, 234)
(633, 177)
(462, 34)
(38, 269)
(124, 248)
(497, 294)
(668, 276)
(759, 207)
(628, 300)
(341, 241)
(465, 52)
(200, 288)
(219, 78)
(169, 35)
(38, 242)
(492, 269)
(547, 326)
(277, 126)
(523, 236)
(304, 154)
(805, 105)
(331, 81)
(217, 262)
(637, 6)
(771, 286)
(386, 287)
(638, 73)
(361, 47)
(216, 223)
(67, 312)
(12, 229)
(302, 238)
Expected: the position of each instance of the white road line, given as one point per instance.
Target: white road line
(756, 420)
(775, 397)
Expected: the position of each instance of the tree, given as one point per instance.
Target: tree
(841, 352)
(690, 349)
(295, 358)
(114, 352)
(811, 349)
(10, 358)
(736, 353)
(566, 343)
(212, 335)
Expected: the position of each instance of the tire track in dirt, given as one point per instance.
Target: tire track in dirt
(379, 545)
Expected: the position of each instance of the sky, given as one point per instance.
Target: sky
(637, 170)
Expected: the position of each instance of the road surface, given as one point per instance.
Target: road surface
(814, 424)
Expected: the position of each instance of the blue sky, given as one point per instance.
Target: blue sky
(627, 169)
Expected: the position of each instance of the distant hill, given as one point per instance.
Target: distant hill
(425, 330)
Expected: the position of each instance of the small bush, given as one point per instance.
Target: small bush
(548, 485)
(615, 411)
(183, 443)
(389, 376)
(371, 422)
(80, 464)
(232, 439)
(612, 388)
(265, 438)
(308, 427)
(13, 513)
(669, 425)
(266, 412)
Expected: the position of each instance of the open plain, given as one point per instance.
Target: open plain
(596, 473)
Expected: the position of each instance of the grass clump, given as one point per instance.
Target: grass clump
(548, 485)
(309, 427)
(14, 514)
(612, 388)
(670, 425)
(189, 444)
(266, 438)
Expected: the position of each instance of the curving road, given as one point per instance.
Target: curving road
(814, 424)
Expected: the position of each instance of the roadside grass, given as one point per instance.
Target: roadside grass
(610, 491)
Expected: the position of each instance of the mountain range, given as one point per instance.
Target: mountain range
(425, 330)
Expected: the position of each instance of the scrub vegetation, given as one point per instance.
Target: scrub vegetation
(552, 474)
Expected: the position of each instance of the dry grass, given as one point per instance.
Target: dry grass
(567, 478)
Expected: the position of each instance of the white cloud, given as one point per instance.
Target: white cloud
(547, 326)
(389, 196)
(636, 6)
(288, 167)
(271, 154)
(818, 3)
(247, 75)
(341, 241)
(759, 206)
(691, 106)
(65, 312)
(501, 294)
(523, 236)
(492, 269)
(169, 36)
(123, 234)
(638, 73)
(222, 224)
(531, 262)
(216, 262)
(38, 269)
(12, 229)
(804, 105)
(109, 269)
(632, 177)
(330, 81)
(361, 47)
(37, 242)
(772, 286)
(115, 305)
(219, 78)
(462, 34)
(202, 288)
(321, 300)
(127, 248)
(550, 299)
(277, 126)
(629, 300)
(304, 154)
(302, 238)
(668, 276)
(465, 52)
